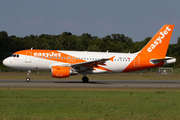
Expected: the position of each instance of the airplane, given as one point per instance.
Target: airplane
(66, 63)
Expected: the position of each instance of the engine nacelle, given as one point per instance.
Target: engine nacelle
(62, 72)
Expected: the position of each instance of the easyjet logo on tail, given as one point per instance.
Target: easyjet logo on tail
(159, 39)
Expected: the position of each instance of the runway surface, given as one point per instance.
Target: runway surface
(93, 83)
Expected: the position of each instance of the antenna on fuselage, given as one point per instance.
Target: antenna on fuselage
(32, 48)
(107, 51)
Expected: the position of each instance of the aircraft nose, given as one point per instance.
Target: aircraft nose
(5, 62)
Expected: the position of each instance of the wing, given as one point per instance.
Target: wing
(83, 66)
(94, 63)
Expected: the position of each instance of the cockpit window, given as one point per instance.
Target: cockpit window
(15, 55)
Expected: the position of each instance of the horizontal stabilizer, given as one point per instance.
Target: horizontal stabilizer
(156, 61)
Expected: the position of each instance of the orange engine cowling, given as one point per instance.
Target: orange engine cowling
(60, 71)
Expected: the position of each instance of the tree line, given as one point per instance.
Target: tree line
(85, 42)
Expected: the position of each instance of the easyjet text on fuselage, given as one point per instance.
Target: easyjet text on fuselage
(50, 54)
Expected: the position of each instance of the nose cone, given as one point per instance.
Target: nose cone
(6, 62)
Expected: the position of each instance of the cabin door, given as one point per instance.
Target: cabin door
(28, 57)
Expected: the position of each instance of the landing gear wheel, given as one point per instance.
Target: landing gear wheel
(85, 79)
(28, 79)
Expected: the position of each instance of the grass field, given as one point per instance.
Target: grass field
(89, 104)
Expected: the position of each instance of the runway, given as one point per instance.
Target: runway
(93, 83)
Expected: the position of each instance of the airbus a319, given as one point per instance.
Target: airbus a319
(66, 63)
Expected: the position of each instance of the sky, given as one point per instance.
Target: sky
(136, 19)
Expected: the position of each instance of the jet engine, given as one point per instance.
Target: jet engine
(62, 72)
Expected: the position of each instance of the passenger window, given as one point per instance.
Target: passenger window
(17, 55)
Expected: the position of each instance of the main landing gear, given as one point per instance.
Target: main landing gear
(85, 79)
(28, 78)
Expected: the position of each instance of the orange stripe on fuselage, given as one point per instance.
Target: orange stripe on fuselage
(54, 55)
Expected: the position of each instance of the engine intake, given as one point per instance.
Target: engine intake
(62, 72)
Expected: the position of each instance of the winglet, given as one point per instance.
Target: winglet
(111, 58)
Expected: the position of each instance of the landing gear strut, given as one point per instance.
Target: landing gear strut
(28, 78)
(85, 79)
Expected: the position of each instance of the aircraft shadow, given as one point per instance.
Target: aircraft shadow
(79, 82)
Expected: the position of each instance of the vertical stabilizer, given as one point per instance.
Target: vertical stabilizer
(159, 43)
(154, 53)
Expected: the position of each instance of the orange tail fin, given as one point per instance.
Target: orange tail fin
(159, 43)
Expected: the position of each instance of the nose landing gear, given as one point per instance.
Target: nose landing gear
(28, 78)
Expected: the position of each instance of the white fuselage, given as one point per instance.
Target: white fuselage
(24, 62)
